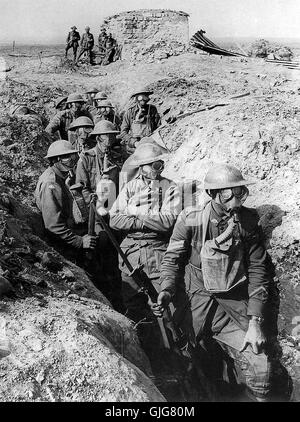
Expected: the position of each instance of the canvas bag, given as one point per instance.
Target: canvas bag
(222, 268)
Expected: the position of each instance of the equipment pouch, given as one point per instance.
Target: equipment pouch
(222, 267)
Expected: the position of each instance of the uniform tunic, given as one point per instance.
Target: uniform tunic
(54, 200)
(145, 212)
(223, 316)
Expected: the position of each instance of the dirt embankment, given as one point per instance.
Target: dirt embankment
(259, 133)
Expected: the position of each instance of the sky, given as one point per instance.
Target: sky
(48, 21)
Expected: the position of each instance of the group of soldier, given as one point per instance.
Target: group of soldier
(208, 262)
(108, 48)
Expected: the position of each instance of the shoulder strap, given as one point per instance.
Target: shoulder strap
(205, 219)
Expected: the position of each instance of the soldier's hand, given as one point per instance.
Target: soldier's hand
(163, 301)
(254, 337)
(89, 242)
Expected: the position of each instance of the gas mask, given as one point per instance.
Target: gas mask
(76, 107)
(230, 199)
(67, 162)
(105, 111)
(83, 134)
(142, 101)
(153, 170)
(104, 142)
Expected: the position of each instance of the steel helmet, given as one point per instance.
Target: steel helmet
(73, 27)
(82, 121)
(147, 155)
(93, 90)
(104, 103)
(75, 98)
(87, 27)
(101, 96)
(60, 147)
(141, 91)
(222, 176)
(60, 100)
(104, 127)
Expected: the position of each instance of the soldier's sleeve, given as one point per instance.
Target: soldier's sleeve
(82, 176)
(53, 125)
(119, 219)
(164, 220)
(68, 38)
(176, 255)
(125, 126)
(51, 208)
(256, 260)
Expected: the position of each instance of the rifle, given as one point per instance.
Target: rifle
(173, 338)
(91, 223)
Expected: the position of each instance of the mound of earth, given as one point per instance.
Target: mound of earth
(66, 343)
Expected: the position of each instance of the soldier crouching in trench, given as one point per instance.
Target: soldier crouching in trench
(217, 252)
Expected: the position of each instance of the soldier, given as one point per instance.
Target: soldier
(72, 41)
(83, 127)
(91, 94)
(61, 103)
(100, 96)
(145, 211)
(62, 120)
(86, 45)
(110, 48)
(141, 119)
(105, 111)
(98, 165)
(102, 159)
(218, 250)
(101, 40)
(54, 200)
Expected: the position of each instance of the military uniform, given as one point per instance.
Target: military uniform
(86, 45)
(222, 316)
(112, 117)
(61, 123)
(109, 46)
(105, 268)
(90, 170)
(55, 202)
(132, 130)
(72, 42)
(145, 211)
(101, 41)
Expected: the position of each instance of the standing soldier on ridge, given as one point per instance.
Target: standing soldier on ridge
(72, 41)
(86, 45)
(140, 120)
(101, 40)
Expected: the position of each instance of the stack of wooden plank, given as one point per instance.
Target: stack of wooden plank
(285, 63)
(199, 41)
